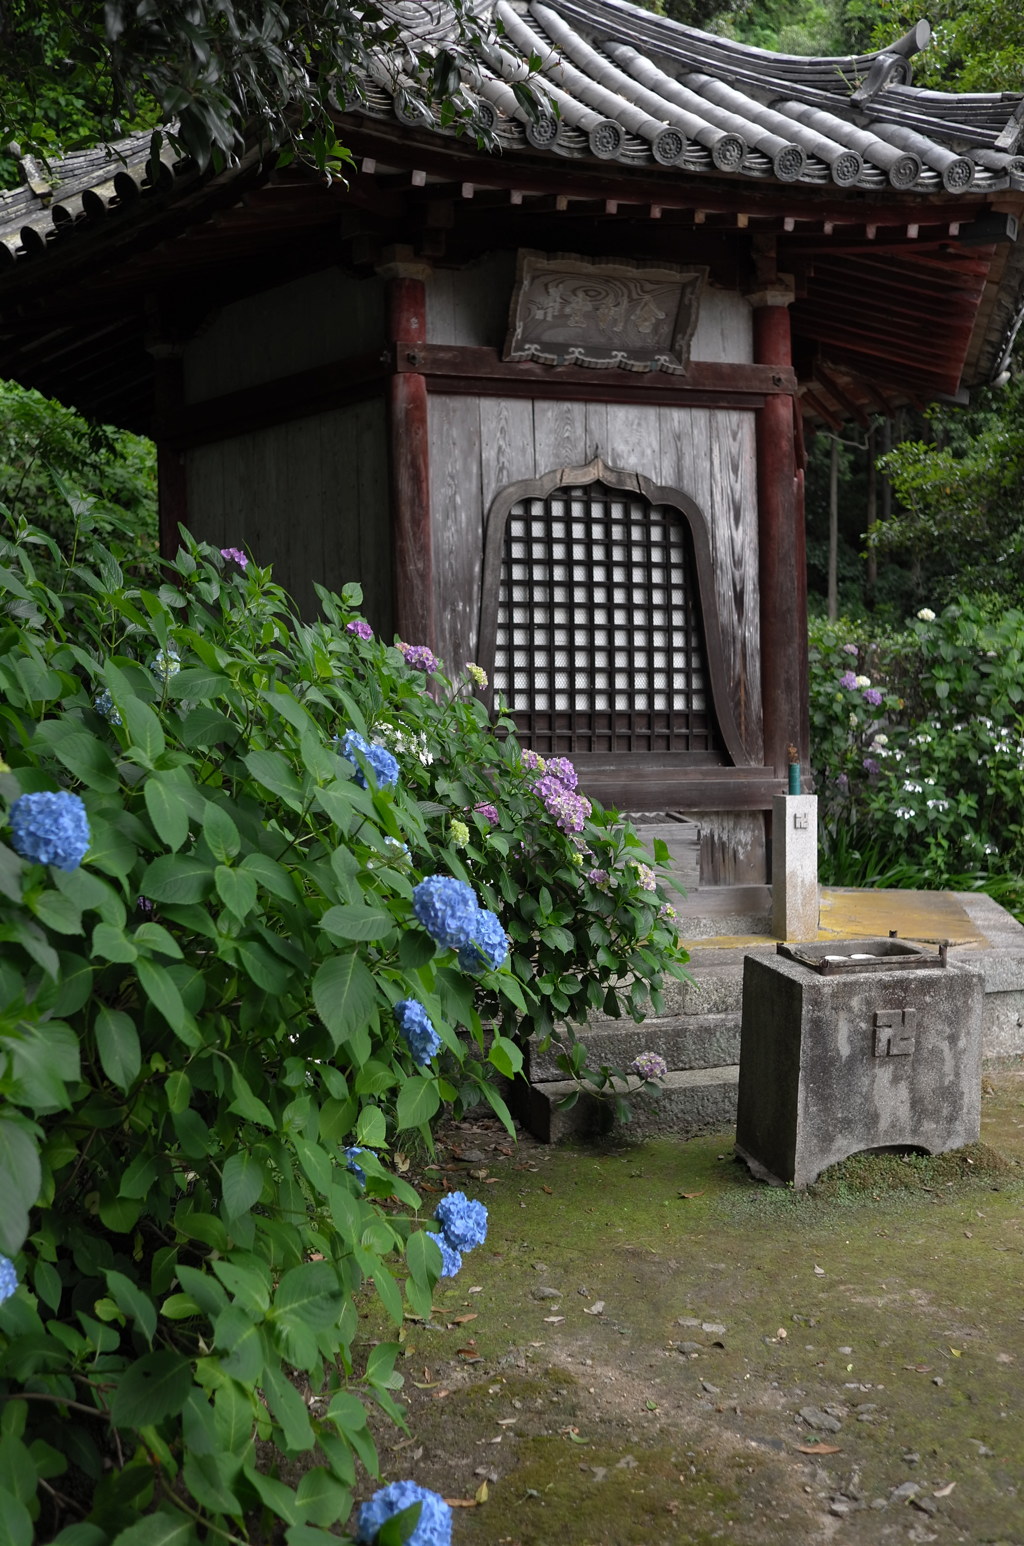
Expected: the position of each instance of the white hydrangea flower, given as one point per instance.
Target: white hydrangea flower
(926, 615)
(863, 681)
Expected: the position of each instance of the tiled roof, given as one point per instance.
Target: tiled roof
(620, 84)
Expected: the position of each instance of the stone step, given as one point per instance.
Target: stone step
(699, 1100)
(685, 1042)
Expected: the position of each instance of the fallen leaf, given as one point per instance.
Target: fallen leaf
(477, 1290)
(689, 1195)
(426, 1384)
(782, 1333)
(956, 1351)
(488, 1473)
(506, 1422)
(460, 1320)
(442, 1393)
(470, 1354)
(819, 1449)
(400, 1162)
(819, 1272)
(482, 1493)
(554, 1320)
(548, 1190)
(597, 1308)
(944, 1492)
(492, 1181)
(461, 1502)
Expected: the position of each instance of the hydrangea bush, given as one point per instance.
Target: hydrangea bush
(224, 991)
(925, 787)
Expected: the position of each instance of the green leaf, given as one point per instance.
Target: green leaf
(20, 1177)
(418, 1100)
(288, 1408)
(400, 1527)
(83, 755)
(506, 1057)
(58, 912)
(415, 949)
(15, 1521)
(44, 1059)
(345, 995)
(144, 729)
(236, 889)
(157, 1529)
(220, 833)
(272, 771)
(117, 1042)
(208, 1478)
(356, 923)
(371, 1129)
(129, 1297)
(177, 878)
(162, 992)
(273, 877)
(112, 944)
(311, 1293)
(155, 1387)
(167, 810)
(322, 1499)
(241, 1184)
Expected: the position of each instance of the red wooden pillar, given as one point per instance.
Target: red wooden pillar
(410, 458)
(783, 581)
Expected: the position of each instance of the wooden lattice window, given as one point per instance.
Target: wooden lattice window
(596, 634)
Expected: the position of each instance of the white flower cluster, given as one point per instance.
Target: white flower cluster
(406, 743)
(920, 740)
(910, 787)
(904, 814)
(926, 615)
(938, 805)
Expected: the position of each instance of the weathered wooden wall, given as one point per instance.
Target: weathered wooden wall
(311, 497)
(480, 445)
(313, 321)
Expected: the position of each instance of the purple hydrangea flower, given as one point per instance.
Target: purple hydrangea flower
(447, 909)
(850, 649)
(451, 1260)
(486, 946)
(848, 679)
(240, 558)
(489, 813)
(463, 1221)
(532, 762)
(871, 764)
(417, 1031)
(360, 629)
(569, 810)
(842, 783)
(8, 1278)
(872, 696)
(649, 1065)
(561, 769)
(598, 877)
(419, 658)
(50, 829)
(357, 1170)
(384, 765)
(434, 1527)
(645, 876)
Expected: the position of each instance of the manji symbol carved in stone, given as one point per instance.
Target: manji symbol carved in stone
(894, 1032)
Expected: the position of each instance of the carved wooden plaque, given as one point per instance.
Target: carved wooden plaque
(569, 310)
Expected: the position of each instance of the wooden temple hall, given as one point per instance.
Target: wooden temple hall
(548, 400)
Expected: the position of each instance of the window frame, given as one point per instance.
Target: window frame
(734, 753)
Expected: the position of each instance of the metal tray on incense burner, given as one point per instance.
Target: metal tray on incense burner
(871, 955)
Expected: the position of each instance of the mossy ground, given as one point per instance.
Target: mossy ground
(885, 1304)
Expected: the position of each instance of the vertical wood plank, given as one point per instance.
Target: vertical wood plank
(370, 516)
(458, 530)
(506, 444)
(734, 549)
(559, 435)
(440, 307)
(596, 432)
(634, 439)
(724, 330)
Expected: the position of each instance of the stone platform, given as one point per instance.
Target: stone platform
(698, 1033)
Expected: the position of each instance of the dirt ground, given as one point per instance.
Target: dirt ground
(651, 1348)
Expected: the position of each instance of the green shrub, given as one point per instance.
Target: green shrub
(927, 787)
(201, 1020)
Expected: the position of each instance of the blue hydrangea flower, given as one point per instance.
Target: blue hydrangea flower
(487, 945)
(8, 1278)
(385, 766)
(447, 909)
(434, 1527)
(50, 829)
(419, 1034)
(357, 1170)
(463, 1220)
(103, 703)
(451, 1259)
(166, 663)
